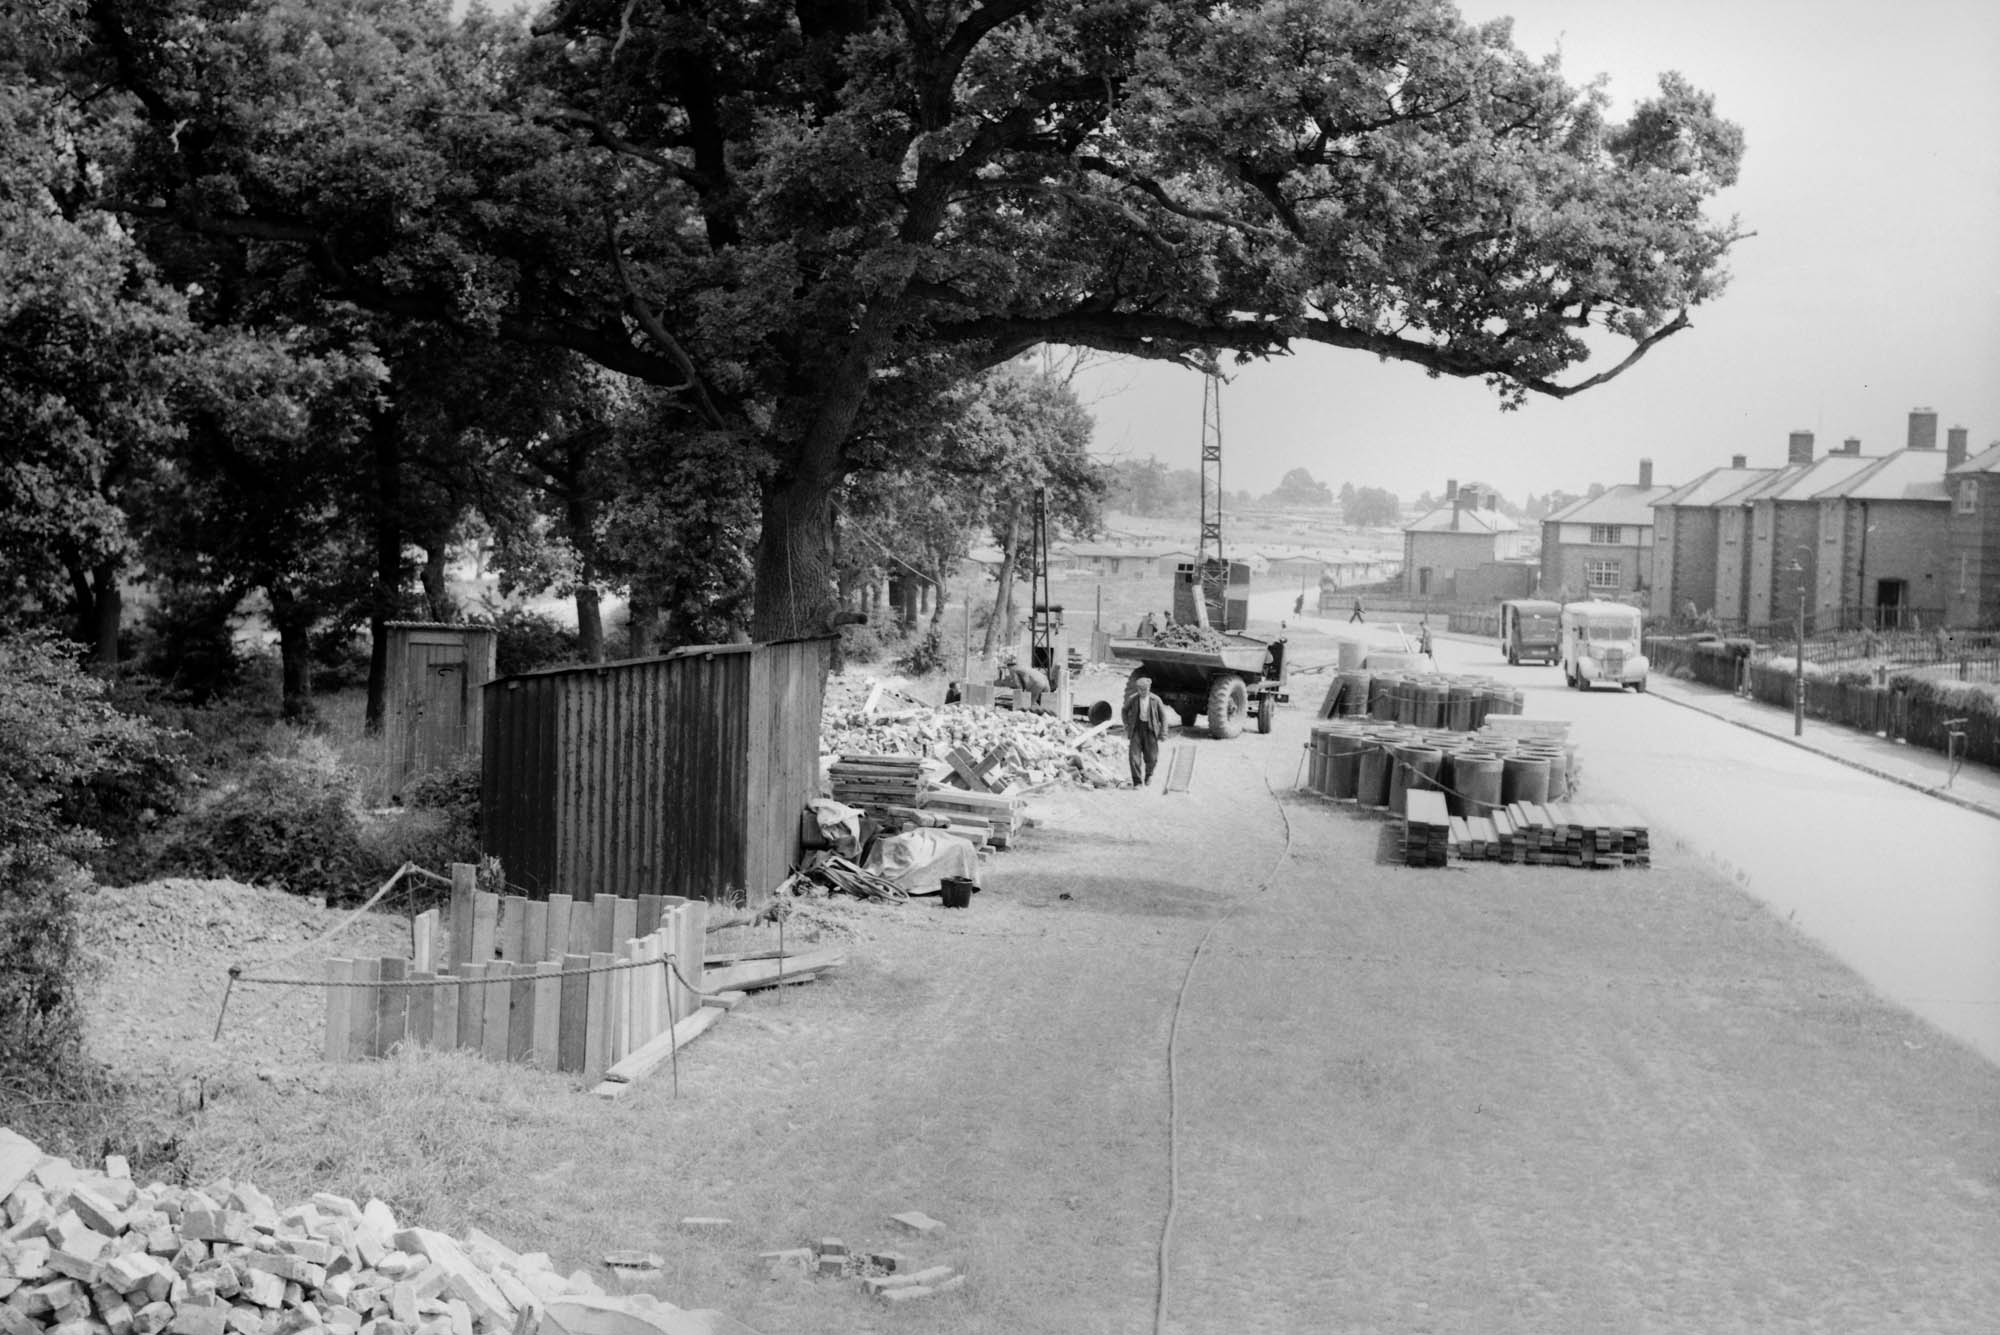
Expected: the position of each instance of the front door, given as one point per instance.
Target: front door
(1891, 603)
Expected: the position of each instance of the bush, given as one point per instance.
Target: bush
(188, 643)
(438, 824)
(290, 819)
(61, 736)
(924, 656)
(529, 640)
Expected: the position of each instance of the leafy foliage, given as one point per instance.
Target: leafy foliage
(1367, 507)
(61, 736)
(1298, 489)
(525, 640)
(289, 819)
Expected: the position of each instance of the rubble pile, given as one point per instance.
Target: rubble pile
(1180, 636)
(1037, 749)
(90, 1252)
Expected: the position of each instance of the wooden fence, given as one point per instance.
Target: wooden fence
(525, 980)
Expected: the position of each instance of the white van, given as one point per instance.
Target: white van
(1600, 642)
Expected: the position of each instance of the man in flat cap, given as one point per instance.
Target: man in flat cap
(1145, 719)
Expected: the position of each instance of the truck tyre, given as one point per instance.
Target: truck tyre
(1264, 707)
(1228, 701)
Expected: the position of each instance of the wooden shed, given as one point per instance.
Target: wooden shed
(431, 711)
(682, 774)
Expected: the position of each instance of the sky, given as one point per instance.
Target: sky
(1871, 176)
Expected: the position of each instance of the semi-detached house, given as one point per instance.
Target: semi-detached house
(1602, 546)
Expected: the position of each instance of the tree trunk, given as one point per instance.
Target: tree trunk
(1003, 600)
(387, 439)
(589, 624)
(437, 597)
(108, 607)
(794, 589)
(640, 615)
(294, 619)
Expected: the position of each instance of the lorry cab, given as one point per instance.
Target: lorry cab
(1530, 629)
(1600, 643)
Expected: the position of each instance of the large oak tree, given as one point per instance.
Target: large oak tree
(779, 212)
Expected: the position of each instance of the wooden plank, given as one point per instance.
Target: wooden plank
(621, 1003)
(604, 923)
(392, 1007)
(422, 1017)
(766, 973)
(464, 881)
(966, 768)
(624, 921)
(642, 1063)
(597, 1038)
(582, 926)
(548, 1014)
(572, 1039)
(656, 985)
(521, 998)
(694, 963)
(361, 1009)
(472, 1007)
(337, 1003)
(424, 933)
(535, 931)
(510, 930)
(493, 1038)
(649, 914)
(485, 917)
(558, 937)
(444, 1013)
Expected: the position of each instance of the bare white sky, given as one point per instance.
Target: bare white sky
(1872, 177)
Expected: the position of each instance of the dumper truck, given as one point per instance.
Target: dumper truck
(1242, 678)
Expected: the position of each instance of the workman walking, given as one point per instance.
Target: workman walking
(1145, 723)
(1357, 612)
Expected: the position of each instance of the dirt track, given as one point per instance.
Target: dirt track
(1487, 1100)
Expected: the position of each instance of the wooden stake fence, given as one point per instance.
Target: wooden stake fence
(524, 980)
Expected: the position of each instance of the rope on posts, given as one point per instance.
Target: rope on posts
(236, 971)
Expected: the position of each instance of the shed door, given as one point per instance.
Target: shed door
(440, 703)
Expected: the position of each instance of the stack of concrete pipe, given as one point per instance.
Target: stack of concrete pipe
(1429, 700)
(1373, 763)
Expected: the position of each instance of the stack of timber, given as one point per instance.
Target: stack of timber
(90, 1251)
(1426, 829)
(995, 816)
(532, 981)
(877, 783)
(1554, 834)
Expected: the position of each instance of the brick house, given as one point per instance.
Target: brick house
(1972, 564)
(1783, 517)
(1688, 543)
(1602, 546)
(1884, 538)
(1462, 534)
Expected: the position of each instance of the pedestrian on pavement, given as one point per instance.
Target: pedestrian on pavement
(1145, 720)
(1357, 612)
(1299, 604)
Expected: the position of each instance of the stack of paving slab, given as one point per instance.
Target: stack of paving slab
(91, 1252)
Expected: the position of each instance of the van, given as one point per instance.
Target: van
(1600, 642)
(1530, 629)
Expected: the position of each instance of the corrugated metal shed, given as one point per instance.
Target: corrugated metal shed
(682, 774)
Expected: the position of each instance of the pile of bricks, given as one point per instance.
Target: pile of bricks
(90, 1252)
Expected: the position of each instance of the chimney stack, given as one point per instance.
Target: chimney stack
(1739, 461)
(1954, 447)
(1645, 472)
(1923, 429)
(1451, 489)
(1493, 500)
(1801, 451)
(1852, 445)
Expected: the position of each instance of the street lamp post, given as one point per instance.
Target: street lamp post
(1799, 663)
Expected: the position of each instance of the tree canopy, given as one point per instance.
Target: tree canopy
(788, 218)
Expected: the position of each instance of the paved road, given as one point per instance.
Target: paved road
(1902, 887)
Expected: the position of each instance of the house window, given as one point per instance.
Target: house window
(1603, 574)
(1968, 496)
(1609, 534)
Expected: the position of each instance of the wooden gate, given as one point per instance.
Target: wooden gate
(432, 706)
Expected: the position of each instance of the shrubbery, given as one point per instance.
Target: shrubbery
(439, 822)
(291, 818)
(529, 640)
(61, 736)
